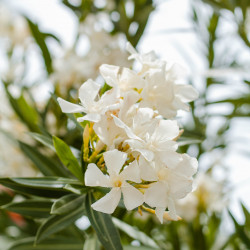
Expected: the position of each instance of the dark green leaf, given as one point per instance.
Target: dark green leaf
(67, 203)
(67, 158)
(56, 223)
(55, 243)
(240, 232)
(40, 40)
(49, 187)
(103, 225)
(30, 208)
(46, 165)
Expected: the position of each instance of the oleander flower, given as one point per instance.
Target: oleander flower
(88, 93)
(149, 136)
(117, 181)
(172, 183)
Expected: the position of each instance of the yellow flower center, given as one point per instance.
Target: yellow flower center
(117, 182)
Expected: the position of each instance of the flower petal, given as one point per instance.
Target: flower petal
(114, 160)
(68, 107)
(128, 131)
(88, 91)
(131, 172)
(90, 117)
(109, 202)
(147, 170)
(188, 166)
(167, 130)
(147, 154)
(171, 208)
(109, 73)
(94, 177)
(132, 197)
(156, 195)
(159, 212)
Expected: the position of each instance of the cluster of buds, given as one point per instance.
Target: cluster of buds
(134, 120)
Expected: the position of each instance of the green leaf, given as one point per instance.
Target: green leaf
(30, 208)
(50, 187)
(92, 243)
(25, 112)
(45, 140)
(49, 182)
(67, 203)
(5, 198)
(137, 248)
(135, 233)
(40, 40)
(56, 223)
(46, 165)
(67, 158)
(55, 243)
(240, 232)
(103, 225)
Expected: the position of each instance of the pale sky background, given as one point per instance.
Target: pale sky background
(172, 46)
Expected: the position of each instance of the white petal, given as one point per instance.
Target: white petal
(170, 159)
(188, 166)
(132, 197)
(156, 195)
(187, 92)
(131, 172)
(114, 160)
(159, 212)
(88, 91)
(68, 107)
(128, 131)
(171, 208)
(179, 185)
(90, 117)
(109, 202)
(94, 177)
(147, 154)
(109, 73)
(167, 130)
(147, 170)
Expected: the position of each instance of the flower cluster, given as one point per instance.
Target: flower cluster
(134, 119)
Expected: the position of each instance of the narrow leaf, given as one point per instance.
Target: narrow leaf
(30, 208)
(46, 165)
(134, 233)
(56, 223)
(103, 225)
(45, 140)
(67, 203)
(67, 158)
(55, 243)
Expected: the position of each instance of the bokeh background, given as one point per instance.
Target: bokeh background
(53, 46)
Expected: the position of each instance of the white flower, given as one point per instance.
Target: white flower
(88, 93)
(125, 78)
(106, 128)
(148, 60)
(173, 182)
(117, 181)
(163, 94)
(161, 90)
(149, 136)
